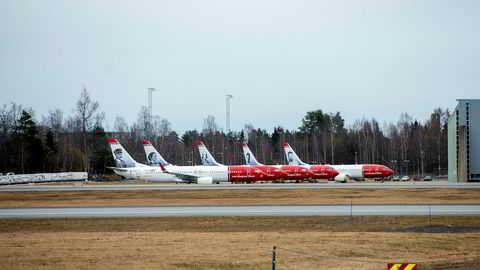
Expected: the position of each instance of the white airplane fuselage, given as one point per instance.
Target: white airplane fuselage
(353, 171)
(155, 174)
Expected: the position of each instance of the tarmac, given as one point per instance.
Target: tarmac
(244, 210)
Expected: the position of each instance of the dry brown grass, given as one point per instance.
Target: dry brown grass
(229, 243)
(229, 197)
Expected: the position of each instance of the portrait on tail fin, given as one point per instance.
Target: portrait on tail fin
(121, 161)
(153, 159)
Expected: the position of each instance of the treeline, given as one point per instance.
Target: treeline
(78, 142)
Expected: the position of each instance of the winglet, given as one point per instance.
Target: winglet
(163, 168)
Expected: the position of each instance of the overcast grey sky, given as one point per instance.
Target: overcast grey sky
(279, 59)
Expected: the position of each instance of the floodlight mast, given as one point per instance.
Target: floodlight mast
(228, 97)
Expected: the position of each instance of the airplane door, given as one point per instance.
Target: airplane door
(138, 173)
(248, 171)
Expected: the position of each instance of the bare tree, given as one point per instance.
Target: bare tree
(209, 125)
(121, 125)
(87, 112)
(404, 128)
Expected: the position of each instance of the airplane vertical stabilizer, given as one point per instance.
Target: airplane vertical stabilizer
(153, 157)
(292, 157)
(207, 158)
(249, 157)
(121, 157)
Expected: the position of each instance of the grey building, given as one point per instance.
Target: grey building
(464, 142)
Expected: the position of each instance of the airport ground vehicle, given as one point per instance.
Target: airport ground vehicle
(427, 178)
(396, 178)
(405, 178)
(127, 167)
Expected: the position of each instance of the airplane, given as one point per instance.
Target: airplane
(346, 172)
(127, 167)
(273, 173)
(295, 171)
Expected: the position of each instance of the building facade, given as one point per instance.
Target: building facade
(464, 142)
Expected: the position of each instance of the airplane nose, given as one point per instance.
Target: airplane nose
(333, 173)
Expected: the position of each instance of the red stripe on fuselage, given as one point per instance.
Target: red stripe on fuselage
(245, 174)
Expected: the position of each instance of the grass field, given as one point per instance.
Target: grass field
(237, 243)
(229, 197)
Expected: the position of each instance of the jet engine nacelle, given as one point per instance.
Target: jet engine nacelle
(342, 177)
(207, 180)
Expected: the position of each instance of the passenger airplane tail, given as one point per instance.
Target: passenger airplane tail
(153, 157)
(292, 157)
(121, 156)
(249, 157)
(207, 158)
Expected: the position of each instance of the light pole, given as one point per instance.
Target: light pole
(228, 97)
(405, 164)
(150, 91)
(395, 163)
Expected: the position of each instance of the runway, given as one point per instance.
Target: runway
(241, 210)
(138, 186)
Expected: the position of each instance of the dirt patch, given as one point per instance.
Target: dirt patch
(440, 229)
(233, 224)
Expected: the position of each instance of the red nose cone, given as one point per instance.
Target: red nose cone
(333, 173)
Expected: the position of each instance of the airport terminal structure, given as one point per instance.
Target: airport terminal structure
(464, 142)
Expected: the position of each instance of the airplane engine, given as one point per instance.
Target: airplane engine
(207, 180)
(342, 177)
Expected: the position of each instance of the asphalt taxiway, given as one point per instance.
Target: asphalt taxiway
(244, 210)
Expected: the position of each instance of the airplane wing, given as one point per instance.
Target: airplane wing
(117, 169)
(184, 176)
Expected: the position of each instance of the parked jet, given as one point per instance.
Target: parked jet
(295, 172)
(127, 167)
(346, 172)
(273, 173)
